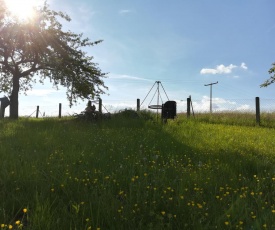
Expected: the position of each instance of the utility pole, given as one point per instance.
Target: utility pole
(211, 94)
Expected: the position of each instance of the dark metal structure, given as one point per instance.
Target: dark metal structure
(4, 102)
(169, 110)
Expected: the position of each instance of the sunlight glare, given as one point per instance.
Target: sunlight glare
(22, 9)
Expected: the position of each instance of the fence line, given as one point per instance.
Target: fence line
(112, 106)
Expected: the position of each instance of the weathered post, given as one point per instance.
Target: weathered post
(188, 106)
(4, 102)
(37, 111)
(138, 105)
(257, 110)
(60, 109)
(100, 105)
(1, 111)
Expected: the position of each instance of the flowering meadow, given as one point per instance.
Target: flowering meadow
(130, 173)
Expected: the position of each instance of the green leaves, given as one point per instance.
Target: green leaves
(41, 46)
(271, 80)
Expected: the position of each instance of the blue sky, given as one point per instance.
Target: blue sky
(182, 43)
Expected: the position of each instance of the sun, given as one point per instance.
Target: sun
(22, 9)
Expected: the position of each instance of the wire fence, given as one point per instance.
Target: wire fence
(219, 105)
(233, 105)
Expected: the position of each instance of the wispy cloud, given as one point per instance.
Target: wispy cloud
(125, 11)
(127, 77)
(222, 69)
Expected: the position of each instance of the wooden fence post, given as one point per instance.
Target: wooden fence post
(37, 111)
(100, 105)
(60, 109)
(188, 106)
(138, 104)
(257, 110)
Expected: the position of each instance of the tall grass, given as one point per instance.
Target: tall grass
(129, 173)
(235, 118)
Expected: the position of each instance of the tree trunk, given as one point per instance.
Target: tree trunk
(14, 98)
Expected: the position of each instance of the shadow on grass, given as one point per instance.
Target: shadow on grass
(122, 174)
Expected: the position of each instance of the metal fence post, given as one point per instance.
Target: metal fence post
(257, 110)
(60, 108)
(188, 106)
(138, 104)
(100, 105)
(37, 111)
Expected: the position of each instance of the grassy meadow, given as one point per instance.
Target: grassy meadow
(236, 118)
(129, 173)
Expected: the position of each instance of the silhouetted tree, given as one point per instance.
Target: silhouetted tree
(40, 47)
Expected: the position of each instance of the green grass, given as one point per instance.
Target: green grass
(128, 173)
(235, 118)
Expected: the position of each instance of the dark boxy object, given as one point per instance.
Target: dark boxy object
(169, 110)
(4, 103)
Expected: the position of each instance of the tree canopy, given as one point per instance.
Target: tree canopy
(271, 80)
(40, 47)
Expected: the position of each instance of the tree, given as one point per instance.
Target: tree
(271, 80)
(39, 47)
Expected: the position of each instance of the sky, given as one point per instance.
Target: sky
(183, 44)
